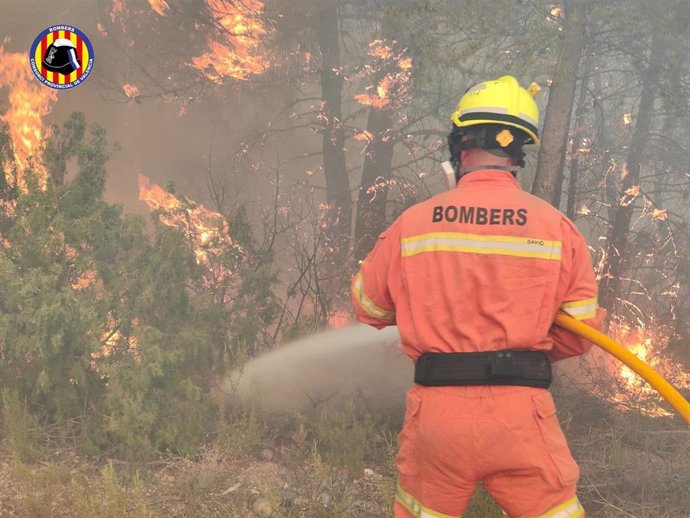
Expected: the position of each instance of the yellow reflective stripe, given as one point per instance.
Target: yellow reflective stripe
(416, 508)
(367, 304)
(568, 509)
(581, 309)
(481, 244)
(579, 303)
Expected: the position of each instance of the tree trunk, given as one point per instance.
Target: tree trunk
(577, 144)
(338, 198)
(549, 176)
(678, 345)
(373, 189)
(374, 185)
(618, 232)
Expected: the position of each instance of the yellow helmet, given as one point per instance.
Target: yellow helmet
(502, 101)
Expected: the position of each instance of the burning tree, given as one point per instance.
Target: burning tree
(234, 48)
(29, 103)
(216, 43)
(386, 95)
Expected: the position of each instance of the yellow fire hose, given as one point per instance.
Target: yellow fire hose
(663, 387)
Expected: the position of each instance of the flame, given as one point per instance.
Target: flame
(338, 320)
(633, 191)
(630, 194)
(393, 88)
(627, 118)
(384, 87)
(131, 90)
(29, 102)
(378, 49)
(363, 135)
(660, 214)
(556, 12)
(83, 280)
(635, 393)
(236, 55)
(207, 231)
(405, 63)
(86, 280)
(380, 185)
(160, 6)
(118, 10)
(113, 341)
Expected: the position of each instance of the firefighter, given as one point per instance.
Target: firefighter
(473, 278)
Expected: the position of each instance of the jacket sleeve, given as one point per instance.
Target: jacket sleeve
(579, 299)
(371, 294)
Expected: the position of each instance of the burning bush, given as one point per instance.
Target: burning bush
(106, 327)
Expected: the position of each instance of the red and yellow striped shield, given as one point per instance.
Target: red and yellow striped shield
(61, 57)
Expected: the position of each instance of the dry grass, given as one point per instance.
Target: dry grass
(632, 466)
(332, 466)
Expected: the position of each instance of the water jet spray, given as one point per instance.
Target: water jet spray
(333, 367)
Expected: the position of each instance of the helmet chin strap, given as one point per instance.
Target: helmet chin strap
(512, 169)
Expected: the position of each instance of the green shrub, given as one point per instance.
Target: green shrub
(103, 325)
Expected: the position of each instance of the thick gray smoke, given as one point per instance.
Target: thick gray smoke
(327, 370)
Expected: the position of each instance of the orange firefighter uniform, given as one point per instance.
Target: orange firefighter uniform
(482, 267)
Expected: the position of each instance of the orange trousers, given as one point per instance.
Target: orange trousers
(506, 437)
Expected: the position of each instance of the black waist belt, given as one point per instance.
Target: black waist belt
(507, 367)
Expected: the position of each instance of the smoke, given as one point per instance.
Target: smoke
(155, 136)
(328, 370)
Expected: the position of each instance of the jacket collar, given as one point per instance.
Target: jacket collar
(489, 177)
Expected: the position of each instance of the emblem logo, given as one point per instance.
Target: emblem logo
(61, 57)
(505, 138)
